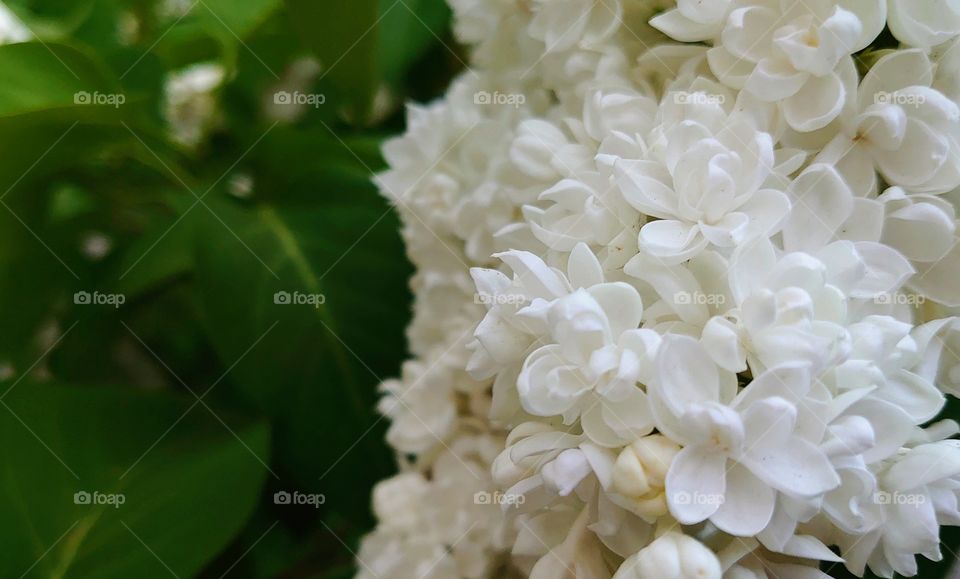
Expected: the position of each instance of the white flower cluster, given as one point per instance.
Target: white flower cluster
(686, 274)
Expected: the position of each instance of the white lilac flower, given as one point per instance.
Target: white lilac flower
(703, 180)
(593, 352)
(682, 310)
(740, 450)
(796, 53)
(901, 128)
(917, 491)
(190, 103)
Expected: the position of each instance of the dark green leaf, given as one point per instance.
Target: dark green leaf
(315, 366)
(182, 500)
(344, 36)
(408, 29)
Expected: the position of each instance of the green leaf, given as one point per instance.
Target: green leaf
(163, 253)
(238, 19)
(315, 365)
(409, 28)
(44, 78)
(344, 36)
(228, 22)
(187, 484)
(48, 121)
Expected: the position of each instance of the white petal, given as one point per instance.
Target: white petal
(679, 27)
(696, 484)
(646, 186)
(923, 22)
(722, 342)
(687, 375)
(816, 104)
(727, 232)
(773, 80)
(747, 506)
(622, 305)
(489, 282)
(583, 269)
(919, 398)
(921, 154)
(749, 31)
(894, 71)
(891, 427)
(886, 269)
(674, 284)
(821, 203)
(853, 163)
(535, 275)
(797, 468)
(675, 241)
(938, 280)
(731, 71)
(920, 231)
(768, 209)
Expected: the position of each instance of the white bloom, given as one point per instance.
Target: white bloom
(190, 102)
(900, 127)
(738, 450)
(918, 490)
(704, 181)
(665, 324)
(797, 53)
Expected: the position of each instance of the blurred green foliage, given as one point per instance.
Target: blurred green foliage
(202, 394)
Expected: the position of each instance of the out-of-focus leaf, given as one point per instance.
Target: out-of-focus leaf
(263, 276)
(162, 253)
(59, 107)
(182, 499)
(344, 36)
(228, 22)
(408, 29)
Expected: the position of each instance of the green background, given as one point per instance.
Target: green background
(199, 397)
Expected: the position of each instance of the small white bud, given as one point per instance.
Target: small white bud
(672, 556)
(640, 473)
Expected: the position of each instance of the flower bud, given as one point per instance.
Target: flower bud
(672, 556)
(565, 472)
(640, 472)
